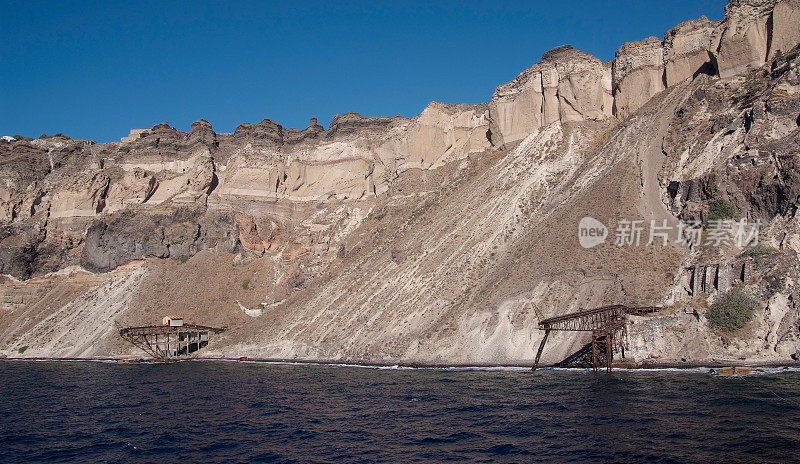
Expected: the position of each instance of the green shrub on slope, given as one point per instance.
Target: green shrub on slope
(731, 311)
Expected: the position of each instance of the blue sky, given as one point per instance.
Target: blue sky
(93, 70)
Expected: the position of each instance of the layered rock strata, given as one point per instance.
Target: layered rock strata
(424, 239)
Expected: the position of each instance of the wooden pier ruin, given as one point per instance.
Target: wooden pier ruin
(171, 340)
(607, 325)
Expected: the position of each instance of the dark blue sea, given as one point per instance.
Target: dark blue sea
(216, 412)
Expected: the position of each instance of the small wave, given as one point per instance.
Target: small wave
(755, 370)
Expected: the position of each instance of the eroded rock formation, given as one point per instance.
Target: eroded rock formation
(423, 239)
(567, 85)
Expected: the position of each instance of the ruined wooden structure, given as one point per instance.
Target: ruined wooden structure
(607, 325)
(170, 340)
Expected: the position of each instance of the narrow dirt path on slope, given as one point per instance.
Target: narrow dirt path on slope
(652, 157)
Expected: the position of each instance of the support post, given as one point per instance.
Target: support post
(541, 348)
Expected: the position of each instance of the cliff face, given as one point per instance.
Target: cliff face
(569, 85)
(423, 239)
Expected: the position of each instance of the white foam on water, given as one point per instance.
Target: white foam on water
(707, 370)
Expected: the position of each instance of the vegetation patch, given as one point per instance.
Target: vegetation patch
(22, 350)
(732, 311)
(58, 135)
(760, 251)
(245, 284)
(719, 210)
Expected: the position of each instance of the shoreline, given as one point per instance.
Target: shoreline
(623, 366)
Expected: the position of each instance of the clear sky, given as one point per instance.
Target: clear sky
(93, 70)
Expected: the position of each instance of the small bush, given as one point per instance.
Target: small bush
(184, 259)
(58, 135)
(719, 210)
(760, 250)
(22, 350)
(245, 284)
(731, 311)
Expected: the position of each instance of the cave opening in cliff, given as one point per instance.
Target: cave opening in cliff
(707, 68)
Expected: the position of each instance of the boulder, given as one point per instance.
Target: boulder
(248, 234)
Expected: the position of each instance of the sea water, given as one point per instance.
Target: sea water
(215, 412)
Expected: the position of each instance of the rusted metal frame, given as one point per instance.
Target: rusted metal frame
(606, 322)
(157, 347)
(157, 329)
(584, 323)
(135, 340)
(140, 344)
(160, 349)
(583, 312)
(585, 317)
(158, 353)
(541, 348)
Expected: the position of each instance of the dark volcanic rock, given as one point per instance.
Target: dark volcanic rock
(202, 134)
(264, 133)
(17, 254)
(353, 123)
(170, 233)
(312, 132)
(136, 235)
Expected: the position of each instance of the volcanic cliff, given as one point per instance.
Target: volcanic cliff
(431, 239)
